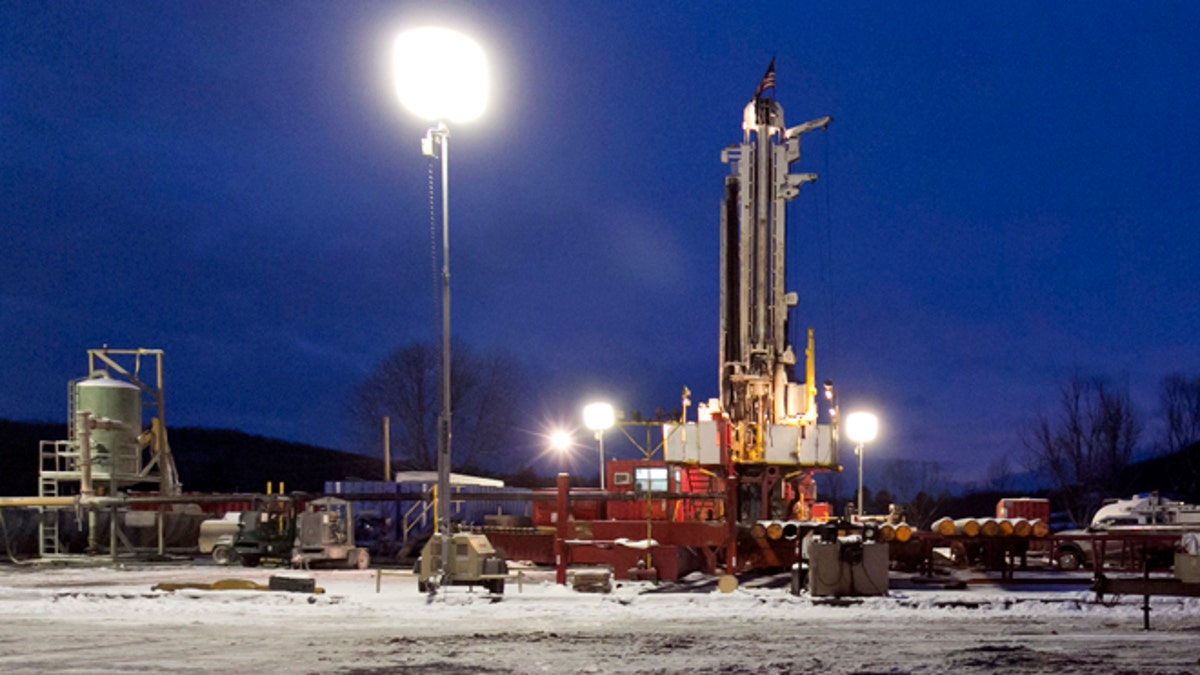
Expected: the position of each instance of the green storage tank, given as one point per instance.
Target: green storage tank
(114, 451)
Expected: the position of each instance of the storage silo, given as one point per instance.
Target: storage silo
(115, 450)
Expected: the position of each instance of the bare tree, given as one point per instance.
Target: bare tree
(1087, 448)
(1000, 474)
(405, 387)
(1180, 398)
(918, 486)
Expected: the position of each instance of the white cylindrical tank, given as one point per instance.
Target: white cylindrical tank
(115, 449)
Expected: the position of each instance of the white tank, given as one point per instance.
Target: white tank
(115, 451)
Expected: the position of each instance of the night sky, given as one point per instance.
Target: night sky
(1008, 196)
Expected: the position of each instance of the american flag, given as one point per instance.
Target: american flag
(768, 80)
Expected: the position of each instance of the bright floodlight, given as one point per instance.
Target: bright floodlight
(560, 440)
(441, 75)
(861, 427)
(598, 416)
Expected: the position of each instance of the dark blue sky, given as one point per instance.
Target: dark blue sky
(1008, 195)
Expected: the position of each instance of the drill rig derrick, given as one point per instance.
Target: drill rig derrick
(757, 372)
(762, 433)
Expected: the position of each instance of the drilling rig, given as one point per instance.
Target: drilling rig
(761, 437)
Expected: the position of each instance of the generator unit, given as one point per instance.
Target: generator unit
(475, 562)
(846, 566)
(325, 536)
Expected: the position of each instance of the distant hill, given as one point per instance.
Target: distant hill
(209, 460)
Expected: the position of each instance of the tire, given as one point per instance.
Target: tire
(1069, 560)
(223, 555)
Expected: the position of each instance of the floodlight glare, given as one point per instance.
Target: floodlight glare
(598, 416)
(861, 427)
(441, 75)
(560, 440)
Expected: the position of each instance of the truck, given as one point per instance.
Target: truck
(217, 536)
(1146, 526)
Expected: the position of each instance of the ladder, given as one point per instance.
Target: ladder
(48, 540)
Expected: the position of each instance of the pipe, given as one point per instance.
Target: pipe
(791, 530)
(989, 528)
(943, 526)
(1040, 528)
(775, 530)
(967, 526)
(1021, 527)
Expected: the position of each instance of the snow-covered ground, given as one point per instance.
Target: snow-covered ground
(102, 619)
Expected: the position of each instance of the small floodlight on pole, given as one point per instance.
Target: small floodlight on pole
(441, 76)
(861, 427)
(598, 417)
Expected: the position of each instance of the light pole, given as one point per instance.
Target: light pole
(441, 76)
(861, 427)
(598, 417)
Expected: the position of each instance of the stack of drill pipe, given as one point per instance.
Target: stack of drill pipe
(1040, 528)
(943, 526)
(1006, 527)
(968, 527)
